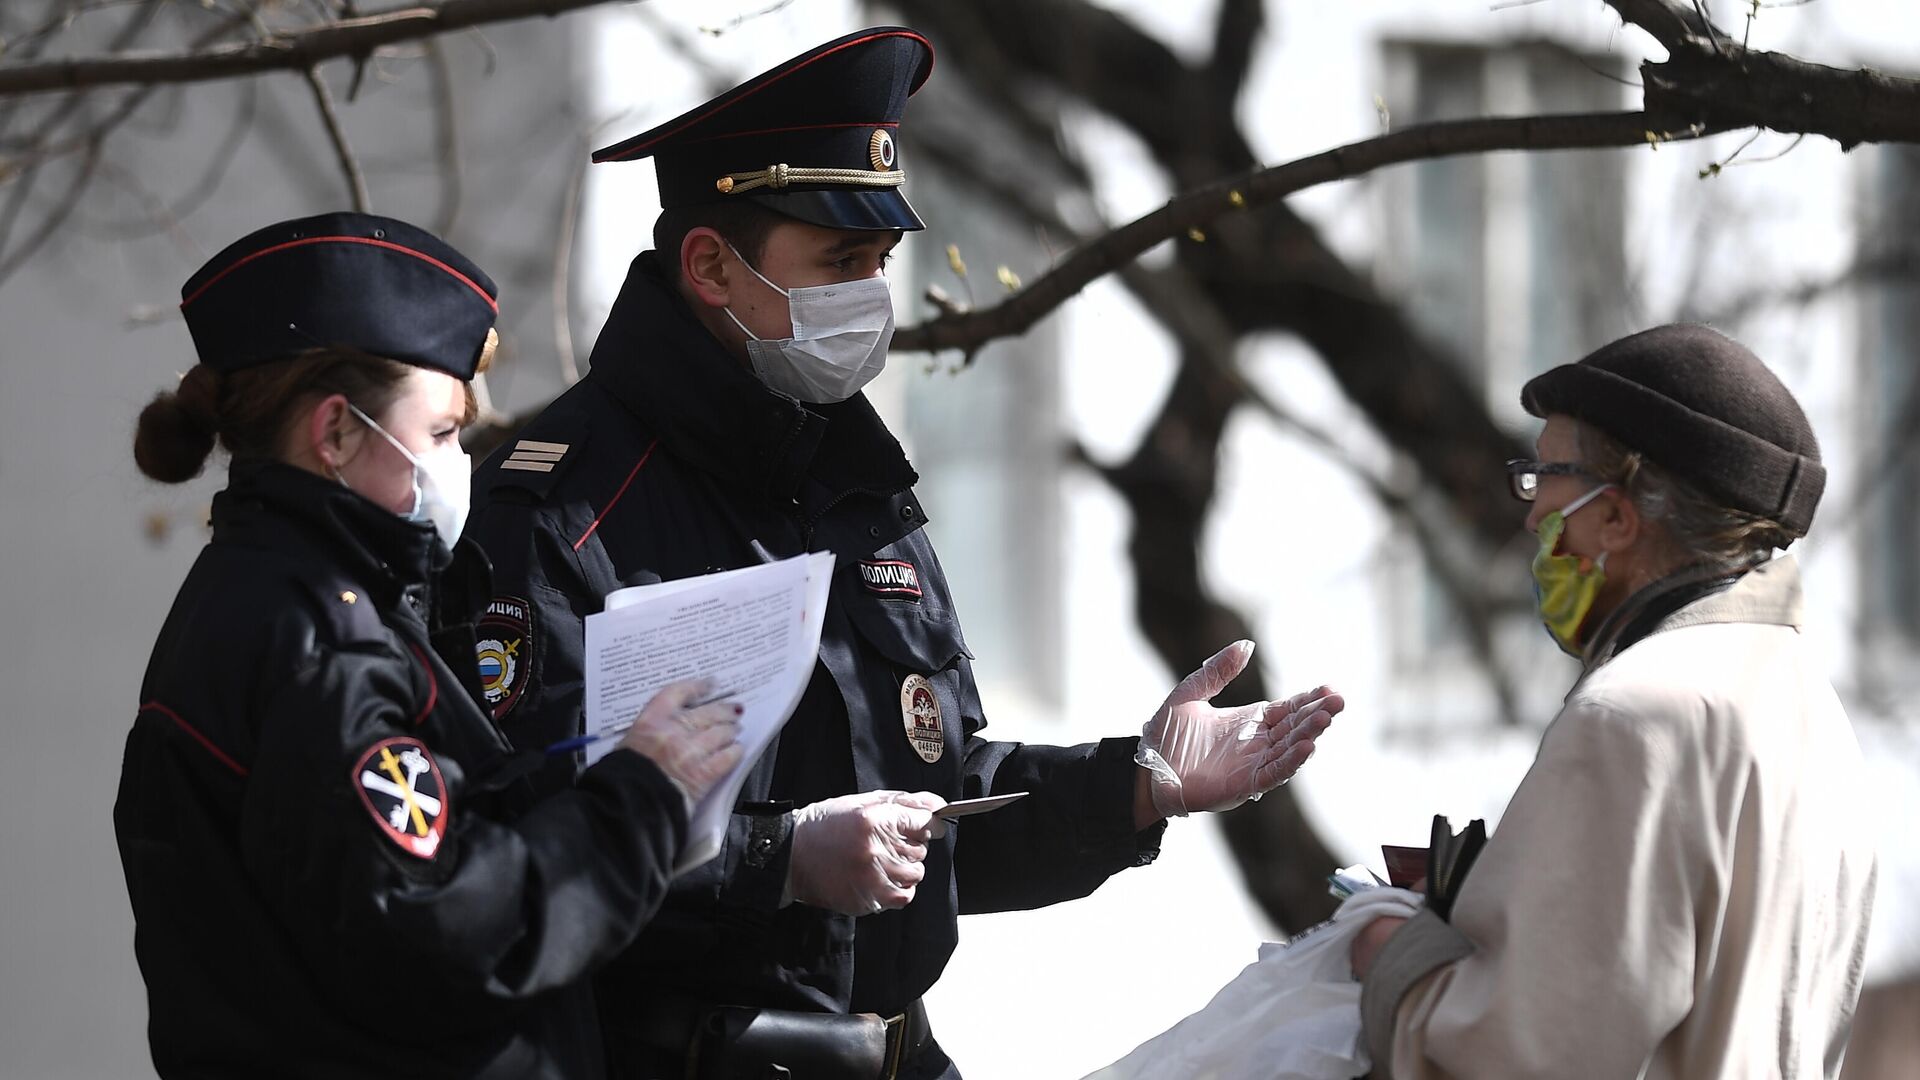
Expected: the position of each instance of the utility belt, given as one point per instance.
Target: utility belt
(737, 1042)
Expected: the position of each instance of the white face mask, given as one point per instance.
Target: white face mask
(839, 343)
(442, 484)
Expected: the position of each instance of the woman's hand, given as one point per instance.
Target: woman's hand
(694, 746)
(1371, 939)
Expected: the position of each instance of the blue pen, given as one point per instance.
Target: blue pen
(581, 742)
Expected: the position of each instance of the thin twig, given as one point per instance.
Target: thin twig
(51, 224)
(289, 51)
(1706, 18)
(446, 111)
(36, 39)
(738, 21)
(202, 190)
(330, 118)
(1790, 148)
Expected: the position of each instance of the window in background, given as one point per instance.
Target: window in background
(1514, 262)
(1890, 335)
(988, 442)
(1511, 262)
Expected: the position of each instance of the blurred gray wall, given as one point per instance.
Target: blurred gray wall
(93, 551)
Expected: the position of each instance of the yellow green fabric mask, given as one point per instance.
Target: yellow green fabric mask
(1564, 586)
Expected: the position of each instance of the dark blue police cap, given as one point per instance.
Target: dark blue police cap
(371, 283)
(812, 138)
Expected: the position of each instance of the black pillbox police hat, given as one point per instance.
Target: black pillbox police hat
(370, 283)
(1705, 408)
(813, 138)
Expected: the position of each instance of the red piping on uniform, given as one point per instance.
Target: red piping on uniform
(616, 495)
(218, 754)
(631, 151)
(796, 127)
(389, 245)
(433, 685)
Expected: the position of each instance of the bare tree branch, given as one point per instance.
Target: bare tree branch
(446, 111)
(1669, 23)
(1236, 31)
(1709, 77)
(337, 135)
(969, 330)
(52, 222)
(1895, 265)
(287, 51)
(1745, 88)
(90, 142)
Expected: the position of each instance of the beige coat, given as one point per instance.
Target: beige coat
(1680, 888)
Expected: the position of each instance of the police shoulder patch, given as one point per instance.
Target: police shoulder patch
(503, 648)
(401, 787)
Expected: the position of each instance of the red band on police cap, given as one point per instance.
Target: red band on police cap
(305, 241)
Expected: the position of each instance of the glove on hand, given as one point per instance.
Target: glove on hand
(859, 854)
(1204, 758)
(695, 747)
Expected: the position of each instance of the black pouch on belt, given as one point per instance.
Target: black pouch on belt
(737, 1043)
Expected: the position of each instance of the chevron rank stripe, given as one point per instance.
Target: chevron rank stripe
(531, 456)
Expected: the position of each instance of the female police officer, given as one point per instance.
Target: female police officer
(332, 870)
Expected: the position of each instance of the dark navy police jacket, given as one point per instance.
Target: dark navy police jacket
(323, 883)
(667, 460)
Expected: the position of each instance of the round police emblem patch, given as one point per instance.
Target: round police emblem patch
(400, 785)
(920, 710)
(881, 150)
(504, 641)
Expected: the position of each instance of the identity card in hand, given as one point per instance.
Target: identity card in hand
(968, 807)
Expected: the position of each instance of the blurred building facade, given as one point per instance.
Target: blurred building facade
(1516, 262)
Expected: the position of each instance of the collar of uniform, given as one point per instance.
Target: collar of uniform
(665, 368)
(376, 546)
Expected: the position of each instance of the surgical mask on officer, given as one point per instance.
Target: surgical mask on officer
(442, 483)
(840, 336)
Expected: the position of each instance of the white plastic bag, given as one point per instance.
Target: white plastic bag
(1293, 1014)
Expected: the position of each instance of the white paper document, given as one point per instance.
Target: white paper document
(754, 632)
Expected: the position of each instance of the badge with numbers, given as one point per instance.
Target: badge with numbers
(920, 710)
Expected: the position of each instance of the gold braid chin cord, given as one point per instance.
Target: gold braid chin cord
(779, 176)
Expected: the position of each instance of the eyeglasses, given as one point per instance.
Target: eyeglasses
(1523, 476)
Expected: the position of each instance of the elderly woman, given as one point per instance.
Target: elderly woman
(1681, 885)
(333, 871)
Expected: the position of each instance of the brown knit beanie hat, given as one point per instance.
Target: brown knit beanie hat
(1703, 407)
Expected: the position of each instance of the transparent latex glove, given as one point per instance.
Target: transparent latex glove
(695, 747)
(1204, 758)
(858, 854)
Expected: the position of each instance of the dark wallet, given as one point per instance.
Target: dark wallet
(1450, 856)
(736, 1043)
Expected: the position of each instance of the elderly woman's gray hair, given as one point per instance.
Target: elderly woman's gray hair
(1695, 527)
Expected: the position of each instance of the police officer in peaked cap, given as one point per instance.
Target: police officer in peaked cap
(722, 422)
(332, 873)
